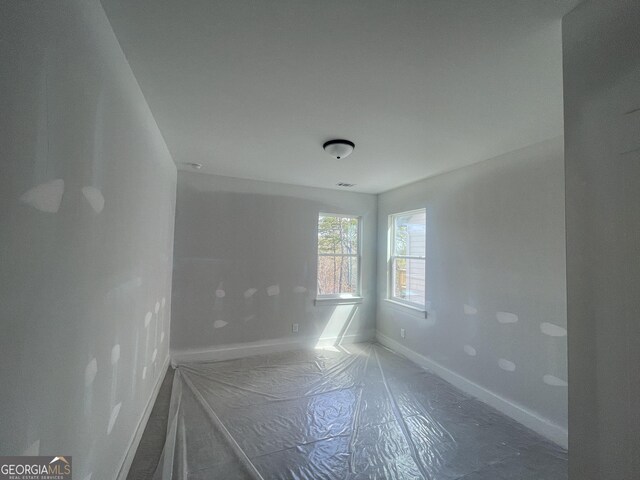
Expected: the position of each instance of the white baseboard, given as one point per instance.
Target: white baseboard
(520, 414)
(239, 350)
(127, 460)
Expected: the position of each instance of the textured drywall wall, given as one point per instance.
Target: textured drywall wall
(495, 276)
(245, 263)
(601, 43)
(86, 235)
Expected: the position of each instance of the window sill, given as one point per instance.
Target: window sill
(417, 310)
(337, 301)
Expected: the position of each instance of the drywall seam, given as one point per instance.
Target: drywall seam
(127, 459)
(544, 427)
(239, 350)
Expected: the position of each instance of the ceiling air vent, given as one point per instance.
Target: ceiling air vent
(346, 185)
(195, 166)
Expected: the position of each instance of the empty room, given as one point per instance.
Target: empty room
(320, 239)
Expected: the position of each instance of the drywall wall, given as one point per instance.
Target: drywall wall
(496, 323)
(245, 267)
(601, 42)
(86, 233)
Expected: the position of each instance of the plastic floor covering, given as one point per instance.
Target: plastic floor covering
(355, 412)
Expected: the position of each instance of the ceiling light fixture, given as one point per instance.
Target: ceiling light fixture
(339, 148)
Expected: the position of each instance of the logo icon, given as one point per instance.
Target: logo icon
(35, 468)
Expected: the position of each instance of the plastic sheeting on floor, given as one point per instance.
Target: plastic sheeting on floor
(355, 412)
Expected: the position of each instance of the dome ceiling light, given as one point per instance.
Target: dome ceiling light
(339, 148)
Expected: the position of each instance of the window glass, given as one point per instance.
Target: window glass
(410, 232)
(338, 255)
(407, 259)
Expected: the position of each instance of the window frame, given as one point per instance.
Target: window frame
(392, 257)
(358, 256)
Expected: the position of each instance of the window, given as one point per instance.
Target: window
(407, 260)
(338, 255)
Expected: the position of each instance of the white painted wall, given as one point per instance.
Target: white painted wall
(602, 121)
(245, 265)
(86, 235)
(495, 282)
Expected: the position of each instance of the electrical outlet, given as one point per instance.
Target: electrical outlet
(294, 328)
(403, 333)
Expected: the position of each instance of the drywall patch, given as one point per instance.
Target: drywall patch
(134, 377)
(554, 381)
(115, 354)
(299, 289)
(32, 450)
(506, 365)
(469, 310)
(90, 372)
(147, 319)
(506, 317)
(220, 293)
(469, 350)
(553, 330)
(114, 416)
(124, 288)
(154, 355)
(219, 324)
(250, 292)
(431, 319)
(273, 290)
(94, 197)
(45, 197)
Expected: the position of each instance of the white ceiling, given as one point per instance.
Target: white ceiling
(253, 89)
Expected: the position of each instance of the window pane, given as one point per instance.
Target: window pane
(400, 278)
(337, 274)
(338, 260)
(337, 235)
(410, 234)
(408, 280)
